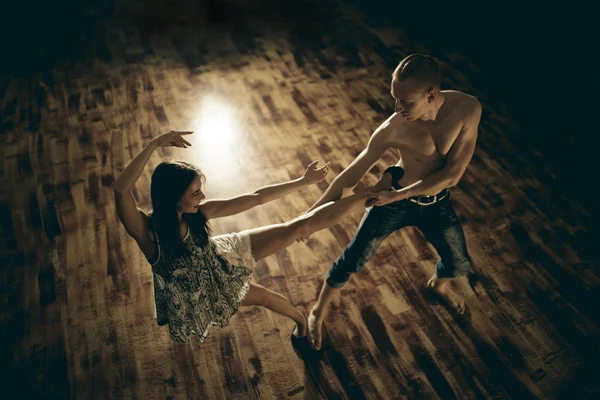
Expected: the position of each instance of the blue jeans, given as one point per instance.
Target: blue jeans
(438, 222)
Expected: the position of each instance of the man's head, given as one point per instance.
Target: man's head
(415, 85)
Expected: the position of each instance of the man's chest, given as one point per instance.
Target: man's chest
(431, 139)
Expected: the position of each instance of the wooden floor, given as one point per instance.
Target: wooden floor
(265, 98)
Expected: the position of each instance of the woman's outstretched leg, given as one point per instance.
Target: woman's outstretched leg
(270, 239)
(261, 296)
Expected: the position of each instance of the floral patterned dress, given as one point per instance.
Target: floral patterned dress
(206, 287)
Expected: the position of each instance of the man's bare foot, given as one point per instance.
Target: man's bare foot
(442, 289)
(360, 188)
(385, 182)
(301, 329)
(314, 330)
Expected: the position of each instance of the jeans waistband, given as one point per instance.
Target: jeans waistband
(429, 200)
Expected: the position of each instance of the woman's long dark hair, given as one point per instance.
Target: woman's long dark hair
(170, 180)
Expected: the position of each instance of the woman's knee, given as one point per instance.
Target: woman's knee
(268, 297)
(256, 296)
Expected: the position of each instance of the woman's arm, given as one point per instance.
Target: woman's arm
(265, 194)
(130, 215)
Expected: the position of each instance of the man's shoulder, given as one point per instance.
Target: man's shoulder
(463, 101)
(394, 120)
(390, 124)
(397, 121)
(471, 109)
(388, 129)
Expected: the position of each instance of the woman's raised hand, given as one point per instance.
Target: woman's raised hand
(173, 139)
(314, 174)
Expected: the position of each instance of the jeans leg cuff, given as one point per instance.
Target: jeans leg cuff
(334, 284)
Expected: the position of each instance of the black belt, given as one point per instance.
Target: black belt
(429, 200)
(397, 173)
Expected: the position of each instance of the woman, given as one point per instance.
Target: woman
(200, 281)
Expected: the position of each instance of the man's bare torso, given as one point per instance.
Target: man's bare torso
(423, 145)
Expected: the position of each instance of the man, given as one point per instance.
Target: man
(434, 133)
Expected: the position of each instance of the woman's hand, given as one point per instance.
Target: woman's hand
(314, 175)
(172, 139)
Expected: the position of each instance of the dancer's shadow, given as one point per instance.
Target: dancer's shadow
(327, 356)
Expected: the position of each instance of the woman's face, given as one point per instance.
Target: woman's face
(192, 197)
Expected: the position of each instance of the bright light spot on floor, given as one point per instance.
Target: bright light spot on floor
(216, 130)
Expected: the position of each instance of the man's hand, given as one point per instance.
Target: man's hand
(384, 197)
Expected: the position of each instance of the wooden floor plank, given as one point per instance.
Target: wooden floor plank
(265, 99)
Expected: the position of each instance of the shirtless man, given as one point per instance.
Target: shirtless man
(434, 133)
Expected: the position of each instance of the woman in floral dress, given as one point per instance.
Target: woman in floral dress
(200, 280)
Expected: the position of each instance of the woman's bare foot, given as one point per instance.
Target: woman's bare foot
(314, 330)
(301, 329)
(442, 289)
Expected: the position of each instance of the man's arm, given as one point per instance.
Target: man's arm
(350, 176)
(457, 159)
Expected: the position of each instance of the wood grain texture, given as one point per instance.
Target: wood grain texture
(267, 94)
